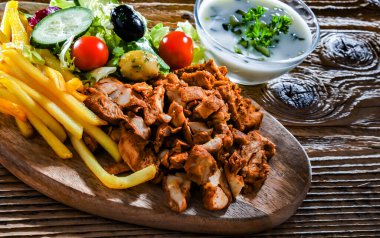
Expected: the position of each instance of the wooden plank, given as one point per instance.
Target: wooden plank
(340, 133)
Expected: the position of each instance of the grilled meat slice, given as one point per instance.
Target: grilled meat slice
(248, 168)
(239, 137)
(244, 113)
(117, 168)
(90, 142)
(257, 169)
(200, 165)
(137, 124)
(177, 190)
(134, 151)
(213, 145)
(209, 66)
(115, 133)
(209, 105)
(143, 88)
(220, 116)
(122, 94)
(176, 113)
(197, 127)
(192, 93)
(155, 105)
(248, 116)
(108, 85)
(202, 79)
(200, 132)
(179, 146)
(163, 131)
(175, 161)
(216, 194)
(232, 169)
(224, 132)
(103, 107)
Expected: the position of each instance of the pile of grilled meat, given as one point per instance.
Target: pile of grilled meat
(194, 125)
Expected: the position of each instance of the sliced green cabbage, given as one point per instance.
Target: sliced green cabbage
(67, 62)
(99, 73)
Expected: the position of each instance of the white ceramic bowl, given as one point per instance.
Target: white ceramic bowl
(248, 70)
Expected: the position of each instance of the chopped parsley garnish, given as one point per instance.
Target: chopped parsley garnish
(254, 32)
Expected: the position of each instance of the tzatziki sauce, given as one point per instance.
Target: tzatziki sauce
(213, 13)
(216, 12)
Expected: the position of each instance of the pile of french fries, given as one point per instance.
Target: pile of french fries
(46, 98)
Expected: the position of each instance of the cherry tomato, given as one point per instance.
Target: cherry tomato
(176, 49)
(90, 52)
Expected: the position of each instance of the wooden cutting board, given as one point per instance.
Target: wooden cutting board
(70, 182)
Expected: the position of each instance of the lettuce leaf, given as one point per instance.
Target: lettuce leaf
(62, 3)
(187, 28)
(156, 34)
(199, 50)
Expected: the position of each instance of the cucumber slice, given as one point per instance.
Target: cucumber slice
(61, 25)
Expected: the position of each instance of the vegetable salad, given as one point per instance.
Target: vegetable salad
(80, 31)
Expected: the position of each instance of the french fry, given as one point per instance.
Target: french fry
(72, 118)
(104, 140)
(11, 69)
(19, 35)
(53, 62)
(59, 148)
(32, 106)
(80, 97)
(3, 38)
(25, 24)
(5, 22)
(76, 107)
(111, 181)
(13, 109)
(72, 86)
(67, 122)
(5, 94)
(56, 77)
(25, 128)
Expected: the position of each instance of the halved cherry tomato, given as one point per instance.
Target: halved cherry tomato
(90, 52)
(176, 49)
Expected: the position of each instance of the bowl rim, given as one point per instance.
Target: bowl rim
(257, 60)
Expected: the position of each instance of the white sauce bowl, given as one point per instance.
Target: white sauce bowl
(248, 70)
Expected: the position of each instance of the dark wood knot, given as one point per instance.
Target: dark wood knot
(374, 4)
(187, 16)
(348, 51)
(293, 92)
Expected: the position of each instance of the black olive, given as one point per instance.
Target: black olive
(128, 25)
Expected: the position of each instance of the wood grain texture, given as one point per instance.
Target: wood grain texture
(343, 142)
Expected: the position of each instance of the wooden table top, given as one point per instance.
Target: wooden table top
(331, 103)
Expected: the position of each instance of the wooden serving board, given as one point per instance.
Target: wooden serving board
(72, 183)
